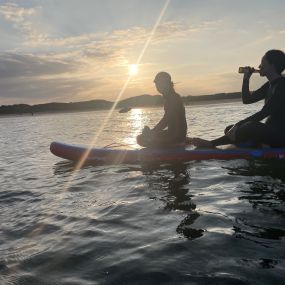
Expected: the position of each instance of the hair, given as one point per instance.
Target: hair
(164, 76)
(277, 58)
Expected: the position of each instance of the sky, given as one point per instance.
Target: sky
(77, 50)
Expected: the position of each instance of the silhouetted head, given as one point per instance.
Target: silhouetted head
(272, 61)
(163, 82)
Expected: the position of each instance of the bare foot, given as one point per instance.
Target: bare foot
(201, 142)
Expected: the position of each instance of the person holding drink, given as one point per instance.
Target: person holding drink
(251, 130)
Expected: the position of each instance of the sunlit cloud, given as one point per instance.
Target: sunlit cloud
(101, 44)
(16, 14)
(21, 18)
(83, 61)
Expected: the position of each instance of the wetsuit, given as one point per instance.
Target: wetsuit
(174, 119)
(272, 132)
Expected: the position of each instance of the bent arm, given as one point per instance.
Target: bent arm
(271, 106)
(255, 117)
(161, 125)
(255, 96)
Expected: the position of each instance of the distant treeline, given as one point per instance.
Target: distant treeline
(133, 102)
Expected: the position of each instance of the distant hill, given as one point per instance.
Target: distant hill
(219, 96)
(142, 101)
(133, 102)
(76, 106)
(56, 107)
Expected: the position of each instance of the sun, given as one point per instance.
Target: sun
(133, 69)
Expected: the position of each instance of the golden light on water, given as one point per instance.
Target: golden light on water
(133, 69)
(136, 124)
(93, 142)
(136, 113)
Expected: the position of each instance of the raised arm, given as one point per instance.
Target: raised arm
(255, 96)
(252, 97)
(274, 105)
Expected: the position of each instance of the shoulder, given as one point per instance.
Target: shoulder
(175, 103)
(177, 98)
(280, 85)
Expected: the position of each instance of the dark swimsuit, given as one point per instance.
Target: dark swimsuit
(272, 132)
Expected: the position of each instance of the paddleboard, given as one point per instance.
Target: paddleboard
(76, 153)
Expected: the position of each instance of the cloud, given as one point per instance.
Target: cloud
(36, 90)
(26, 20)
(120, 42)
(79, 52)
(21, 18)
(82, 67)
(31, 78)
(16, 14)
(22, 65)
(170, 30)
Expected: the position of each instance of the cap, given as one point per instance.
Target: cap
(162, 76)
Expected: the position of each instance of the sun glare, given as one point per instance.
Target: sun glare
(133, 69)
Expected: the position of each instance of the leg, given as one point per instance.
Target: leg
(224, 139)
(221, 141)
(213, 143)
(228, 128)
(158, 139)
(254, 133)
(162, 139)
(142, 140)
(145, 138)
(259, 133)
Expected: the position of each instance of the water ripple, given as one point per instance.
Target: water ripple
(207, 222)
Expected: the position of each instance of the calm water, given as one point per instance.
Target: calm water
(209, 222)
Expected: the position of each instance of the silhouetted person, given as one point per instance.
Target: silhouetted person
(251, 130)
(172, 128)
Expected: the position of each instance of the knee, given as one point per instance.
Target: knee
(247, 131)
(250, 124)
(228, 128)
(140, 139)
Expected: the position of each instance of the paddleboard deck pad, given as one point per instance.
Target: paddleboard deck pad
(87, 155)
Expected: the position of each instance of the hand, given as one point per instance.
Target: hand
(231, 134)
(146, 130)
(247, 73)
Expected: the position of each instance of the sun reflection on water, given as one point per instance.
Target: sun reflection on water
(136, 124)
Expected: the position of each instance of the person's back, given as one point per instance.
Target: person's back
(276, 89)
(175, 110)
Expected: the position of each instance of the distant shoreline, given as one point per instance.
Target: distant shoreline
(142, 101)
(210, 102)
(216, 101)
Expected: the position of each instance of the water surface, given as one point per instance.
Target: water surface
(207, 222)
